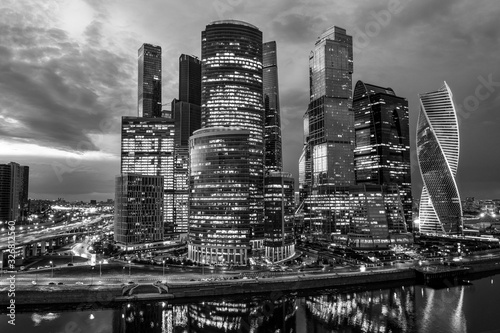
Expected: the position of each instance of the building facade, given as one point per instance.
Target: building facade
(438, 146)
(279, 207)
(382, 131)
(232, 96)
(147, 148)
(272, 133)
(221, 200)
(189, 79)
(149, 92)
(138, 209)
(329, 120)
(14, 184)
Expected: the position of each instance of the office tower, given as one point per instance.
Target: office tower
(437, 151)
(186, 112)
(272, 132)
(279, 242)
(149, 93)
(221, 195)
(382, 130)
(189, 79)
(14, 179)
(361, 216)
(329, 120)
(232, 98)
(147, 148)
(138, 209)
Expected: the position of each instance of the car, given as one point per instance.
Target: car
(52, 283)
(60, 283)
(79, 283)
(33, 283)
(31, 268)
(131, 282)
(70, 264)
(47, 266)
(22, 268)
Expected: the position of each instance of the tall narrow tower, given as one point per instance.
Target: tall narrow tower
(438, 146)
(273, 146)
(227, 154)
(149, 93)
(382, 154)
(329, 120)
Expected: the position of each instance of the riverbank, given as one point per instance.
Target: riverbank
(81, 296)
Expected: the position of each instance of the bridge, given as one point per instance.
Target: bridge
(37, 242)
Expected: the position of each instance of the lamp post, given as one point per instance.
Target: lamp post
(123, 272)
(92, 276)
(100, 270)
(129, 268)
(203, 267)
(52, 268)
(163, 268)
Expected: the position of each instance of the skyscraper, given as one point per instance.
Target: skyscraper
(279, 241)
(272, 132)
(138, 209)
(232, 97)
(382, 153)
(14, 179)
(221, 203)
(148, 149)
(189, 79)
(438, 148)
(186, 112)
(149, 93)
(329, 120)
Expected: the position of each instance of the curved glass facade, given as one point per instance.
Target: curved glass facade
(232, 96)
(220, 202)
(438, 147)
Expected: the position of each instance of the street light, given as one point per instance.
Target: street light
(129, 268)
(52, 266)
(92, 276)
(100, 271)
(163, 268)
(203, 267)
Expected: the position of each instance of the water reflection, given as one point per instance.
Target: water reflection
(389, 310)
(471, 308)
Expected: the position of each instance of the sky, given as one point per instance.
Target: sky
(68, 73)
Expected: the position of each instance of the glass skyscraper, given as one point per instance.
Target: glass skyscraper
(149, 93)
(438, 146)
(329, 120)
(272, 134)
(138, 209)
(14, 180)
(232, 98)
(221, 184)
(148, 149)
(189, 79)
(382, 153)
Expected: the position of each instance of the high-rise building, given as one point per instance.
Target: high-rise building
(272, 132)
(149, 92)
(187, 118)
(279, 241)
(138, 209)
(221, 202)
(361, 216)
(329, 120)
(438, 148)
(14, 179)
(382, 130)
(147, 148)
(189, 79)
(232, 97)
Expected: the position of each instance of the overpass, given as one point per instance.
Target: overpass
(37, 242)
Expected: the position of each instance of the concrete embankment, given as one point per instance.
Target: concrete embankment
(107, 296)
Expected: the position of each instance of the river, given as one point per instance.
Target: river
(466, 308)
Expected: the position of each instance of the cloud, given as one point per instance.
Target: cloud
(59, 89)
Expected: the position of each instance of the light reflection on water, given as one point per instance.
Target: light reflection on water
(469, 308)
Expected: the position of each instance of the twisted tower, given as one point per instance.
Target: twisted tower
(438, 147)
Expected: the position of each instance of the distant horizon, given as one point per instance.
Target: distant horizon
(69, 73)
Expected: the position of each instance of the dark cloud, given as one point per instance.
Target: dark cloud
(58, 90)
